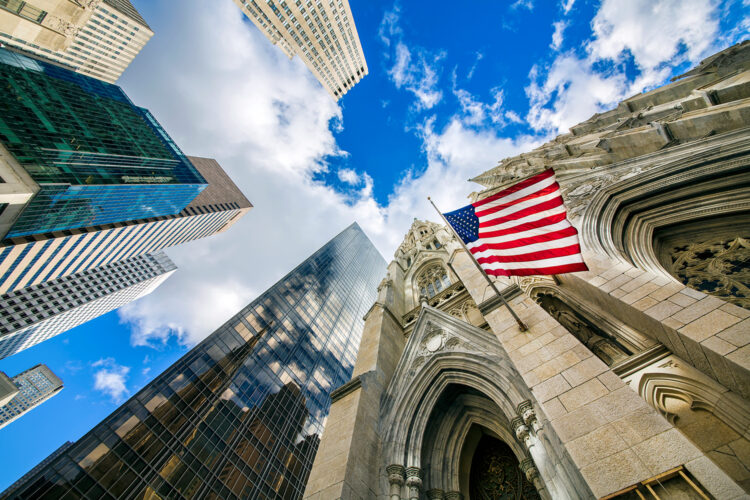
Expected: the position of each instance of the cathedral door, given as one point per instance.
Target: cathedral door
(495, 473)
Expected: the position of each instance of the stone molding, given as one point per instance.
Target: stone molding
(349, 387)
(493, 303)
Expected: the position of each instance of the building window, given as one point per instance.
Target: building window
(433, 280)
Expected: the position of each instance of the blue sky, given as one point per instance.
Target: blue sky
(451, 91)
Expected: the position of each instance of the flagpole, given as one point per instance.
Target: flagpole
(521, 324)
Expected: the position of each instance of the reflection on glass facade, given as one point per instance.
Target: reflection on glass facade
(97, 157)
(241, 414)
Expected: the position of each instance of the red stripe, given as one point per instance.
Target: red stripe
(521, 242)
(526, 226)
(517, 187)
(567, 268)
(541, 207)
(542, 192)
(539, 255)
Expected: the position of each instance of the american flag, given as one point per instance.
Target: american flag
(521, 231)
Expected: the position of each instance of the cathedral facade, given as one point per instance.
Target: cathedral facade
(632, 379)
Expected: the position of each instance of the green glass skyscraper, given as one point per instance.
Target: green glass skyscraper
(240, 415)
(85, 153)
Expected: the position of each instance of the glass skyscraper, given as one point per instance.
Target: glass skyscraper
(241, 414)
(95, 156)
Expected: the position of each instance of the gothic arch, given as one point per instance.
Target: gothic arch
(432, 268)
(656, 387)
(444, 352)
(708, 180)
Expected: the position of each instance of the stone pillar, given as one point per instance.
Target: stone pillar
(347, 462)
(532, 473)
(395, 480)
(414, 482)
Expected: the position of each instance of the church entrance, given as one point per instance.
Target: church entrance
(496, 475)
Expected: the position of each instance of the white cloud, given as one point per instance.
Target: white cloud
(525, 4)
(418, 74)
(349, 176)
(476, 112)
(567, 5)
(657, 35)
(268, 124)
(654, 32)
(557, 36)
(571, 92)
(110, 378)
(414, 69)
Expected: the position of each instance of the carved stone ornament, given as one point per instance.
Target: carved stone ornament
(520, 428)
(719, 267)
(529, 468)
(395, 475)
(454, 495)
(526, 412)
(414, 482)
(435, 494)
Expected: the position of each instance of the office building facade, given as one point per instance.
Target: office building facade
(32, 260)
(93, 156)
(240, 415)
(96, 38)
(35, 386)
(322, 34)
(37, 313)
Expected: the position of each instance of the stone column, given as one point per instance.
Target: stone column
(414, 482)
(532, 473)
(396, 480)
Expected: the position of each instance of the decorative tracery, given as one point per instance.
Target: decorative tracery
(433, 280)
(717, 267)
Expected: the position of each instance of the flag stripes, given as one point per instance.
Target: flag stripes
(521, 231)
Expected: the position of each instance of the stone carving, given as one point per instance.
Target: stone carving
(529, 469)
(606, 349)
(435, 494)
(526, 412)
(718, 267)
(454, 495)
(433, 280)
(395, 479)
(521, 429)
(414, 482)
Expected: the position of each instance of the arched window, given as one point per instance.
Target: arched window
(433, 280)
(436, 243)
(408, 261)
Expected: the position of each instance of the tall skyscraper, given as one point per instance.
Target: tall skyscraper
(31, 260)
(32, 315)
(240, 415)
(82, 152)
(97, 38)
(323, 34)
(35, 386)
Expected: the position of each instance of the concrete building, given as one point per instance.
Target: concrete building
(322, 34)
(35, 386)
(633, 378)
(240, 415)
(34, 314)
(33, 260)
(98, 38)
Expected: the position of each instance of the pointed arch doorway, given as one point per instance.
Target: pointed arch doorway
(494, 470)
